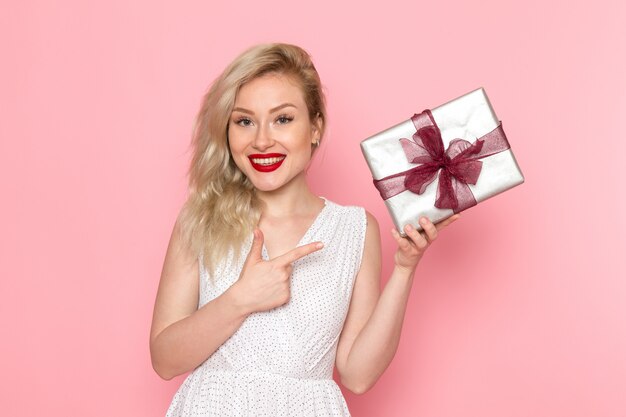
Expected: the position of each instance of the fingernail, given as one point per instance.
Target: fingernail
(320, 245)
(423, 220)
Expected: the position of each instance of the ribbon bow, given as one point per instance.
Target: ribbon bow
(457, 166)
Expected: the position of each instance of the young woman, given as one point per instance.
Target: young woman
(265, 286)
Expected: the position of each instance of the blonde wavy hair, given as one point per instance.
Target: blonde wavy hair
(222, 207)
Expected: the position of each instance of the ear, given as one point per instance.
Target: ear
(316, 128)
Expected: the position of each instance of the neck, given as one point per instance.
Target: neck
(295, 198)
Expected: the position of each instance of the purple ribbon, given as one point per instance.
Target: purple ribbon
(457, 166)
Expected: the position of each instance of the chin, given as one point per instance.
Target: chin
(270, 181)
(267, 187)
(264, 184)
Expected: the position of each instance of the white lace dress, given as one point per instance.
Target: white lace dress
(280, 362)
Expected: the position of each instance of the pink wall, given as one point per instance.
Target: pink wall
(518, 310)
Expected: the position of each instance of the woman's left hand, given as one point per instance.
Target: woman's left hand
(412, 248)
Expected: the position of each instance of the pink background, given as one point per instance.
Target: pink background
(519, 308)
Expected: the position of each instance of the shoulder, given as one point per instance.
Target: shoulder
(353, 209)
(372, 222)
(366, 220)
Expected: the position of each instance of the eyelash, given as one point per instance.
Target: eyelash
(241, 119)
(282, 116)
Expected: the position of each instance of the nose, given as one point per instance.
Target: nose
(263, 138)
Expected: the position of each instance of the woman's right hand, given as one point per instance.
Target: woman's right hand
(264, 285)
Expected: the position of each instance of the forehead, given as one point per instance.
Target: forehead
(269, 90)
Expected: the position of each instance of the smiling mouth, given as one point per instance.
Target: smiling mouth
(268, 162)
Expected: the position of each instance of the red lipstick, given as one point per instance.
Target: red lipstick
(266, 168)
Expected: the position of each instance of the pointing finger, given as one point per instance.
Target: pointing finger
(299, 252)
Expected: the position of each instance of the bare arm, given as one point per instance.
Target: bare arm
(183, 336)
(373, 326)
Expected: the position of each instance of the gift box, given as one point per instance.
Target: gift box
(442, 161)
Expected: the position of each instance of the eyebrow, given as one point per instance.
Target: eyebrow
(271, 110)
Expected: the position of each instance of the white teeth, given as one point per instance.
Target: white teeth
(267, 161)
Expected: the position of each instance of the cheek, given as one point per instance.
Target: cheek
(301, 139)
(235, 146)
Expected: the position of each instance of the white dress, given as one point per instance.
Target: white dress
(280, 362)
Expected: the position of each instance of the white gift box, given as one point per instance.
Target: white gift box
(467, 117)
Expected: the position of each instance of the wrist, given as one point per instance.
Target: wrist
(237, 301)
(406, 271)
